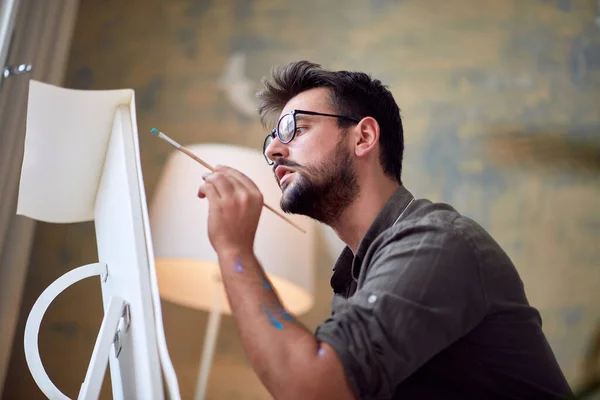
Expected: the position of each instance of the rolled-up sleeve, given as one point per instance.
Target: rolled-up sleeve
(422, 292)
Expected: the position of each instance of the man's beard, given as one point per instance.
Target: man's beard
(324, 191)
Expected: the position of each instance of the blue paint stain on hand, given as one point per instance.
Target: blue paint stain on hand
(321, 351)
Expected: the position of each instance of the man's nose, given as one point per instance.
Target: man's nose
(276, 150)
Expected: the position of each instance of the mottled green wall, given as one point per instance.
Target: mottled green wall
(461, 70)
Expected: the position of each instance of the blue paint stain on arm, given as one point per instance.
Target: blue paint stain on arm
(285, 314)
(266, 284)
(237, 266)
(272, 319)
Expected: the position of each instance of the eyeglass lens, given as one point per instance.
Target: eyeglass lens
(286, 128)
(266, 144)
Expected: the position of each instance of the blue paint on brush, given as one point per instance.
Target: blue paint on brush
(154, 131)
(273, 320)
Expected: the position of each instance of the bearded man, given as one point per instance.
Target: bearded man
(426, 304)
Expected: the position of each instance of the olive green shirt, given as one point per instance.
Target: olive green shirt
(431, 307)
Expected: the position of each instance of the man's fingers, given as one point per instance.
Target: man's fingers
(233, 187)
(245, 196)
(208, 190)
(245, 187)
(222, 184)
(239, 177)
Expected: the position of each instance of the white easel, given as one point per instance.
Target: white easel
(82, 163)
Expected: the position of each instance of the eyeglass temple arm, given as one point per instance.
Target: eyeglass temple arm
(326, 115)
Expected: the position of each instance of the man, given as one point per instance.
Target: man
(426, 304)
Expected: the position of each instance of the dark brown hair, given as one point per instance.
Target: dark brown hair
(352, 94)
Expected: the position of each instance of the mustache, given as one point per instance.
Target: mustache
(285, 163)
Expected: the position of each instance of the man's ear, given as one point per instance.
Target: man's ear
(366, 136)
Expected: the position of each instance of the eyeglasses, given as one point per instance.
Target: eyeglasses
(286, 128)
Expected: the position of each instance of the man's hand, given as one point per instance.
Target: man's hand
(235, 204)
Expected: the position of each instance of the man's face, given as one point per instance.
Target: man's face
(315, 170)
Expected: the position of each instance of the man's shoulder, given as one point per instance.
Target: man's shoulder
(440, 228)
(424, 215)
(443, 224)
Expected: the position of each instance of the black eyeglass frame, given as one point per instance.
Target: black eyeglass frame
(293, 113)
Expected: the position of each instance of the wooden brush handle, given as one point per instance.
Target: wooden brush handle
(211, 168)
(195, 157)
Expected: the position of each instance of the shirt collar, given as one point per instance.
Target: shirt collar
(348, 264)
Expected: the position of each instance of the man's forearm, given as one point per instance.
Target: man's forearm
(278, 347)
(285, 355)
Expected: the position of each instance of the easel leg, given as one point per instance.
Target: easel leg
(90, 388)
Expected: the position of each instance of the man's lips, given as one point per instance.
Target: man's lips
(282, 174)
(285, 178)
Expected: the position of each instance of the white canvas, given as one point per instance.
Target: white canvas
(81, 163)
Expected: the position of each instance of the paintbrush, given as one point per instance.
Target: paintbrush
(181, 148)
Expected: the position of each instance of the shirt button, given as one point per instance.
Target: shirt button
(372, 298)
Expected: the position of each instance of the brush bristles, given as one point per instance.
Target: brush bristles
(164, 137)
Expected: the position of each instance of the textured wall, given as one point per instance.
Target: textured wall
(461, 70)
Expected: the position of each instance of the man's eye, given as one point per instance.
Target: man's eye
(300, 130)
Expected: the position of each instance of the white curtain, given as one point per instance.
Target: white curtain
(37, 33)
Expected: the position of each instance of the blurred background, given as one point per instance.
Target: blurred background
(501, 108)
